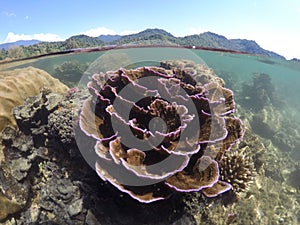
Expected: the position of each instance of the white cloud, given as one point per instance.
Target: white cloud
(298, 10)
(105, 31)
(26, 17)
(98, 31)
(12, 37)
(9, 14)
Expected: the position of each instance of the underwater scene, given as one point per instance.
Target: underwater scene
(150, 135)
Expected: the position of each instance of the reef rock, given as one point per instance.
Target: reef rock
(19, 84)
(260, 93)
(267, 122)
(13, 191)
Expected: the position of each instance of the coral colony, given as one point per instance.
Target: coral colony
(237, 168)
(181, 127)
(15, 87)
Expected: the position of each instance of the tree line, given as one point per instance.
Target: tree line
(79, 41)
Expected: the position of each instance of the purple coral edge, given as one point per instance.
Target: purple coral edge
(146, 90)
(159, 74)
(177, 98)
(239, 139)
(129, 123)
(202, 187)
(222, 99)
(87, 101)
(97, 152)
(122, 189)
(223, 127)
(94, 92)
(196, 149)
(120, 98)
(97, 138)
(234, 104)
(183, 165)
(221, 102)
(228, 187)
(156, 177)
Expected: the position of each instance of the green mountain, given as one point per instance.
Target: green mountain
(212, 40)
(253, 47)
(109, 38)
(83, 41)
(149, 36)
(295, 60)
(19, 43)
(207, 39)
(146, 37)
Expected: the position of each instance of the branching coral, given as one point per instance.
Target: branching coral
(237, 168)
(160, 130)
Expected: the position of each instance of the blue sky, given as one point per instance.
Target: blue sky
(273, 24)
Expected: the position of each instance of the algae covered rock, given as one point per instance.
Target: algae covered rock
(19, 84)
(13, 191)
(7, 207)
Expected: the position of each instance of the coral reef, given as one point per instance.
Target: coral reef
(269, 115)
(268, 200)
(200, 72)
(260, 93)
(287, 138)
(183, 144)
(19, 84)
(293, 178)
(42, 181)
(267, 122)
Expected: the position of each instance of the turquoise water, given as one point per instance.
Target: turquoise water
(285, 75)
(48, 63)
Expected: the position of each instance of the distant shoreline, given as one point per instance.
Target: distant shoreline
(115, 47)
